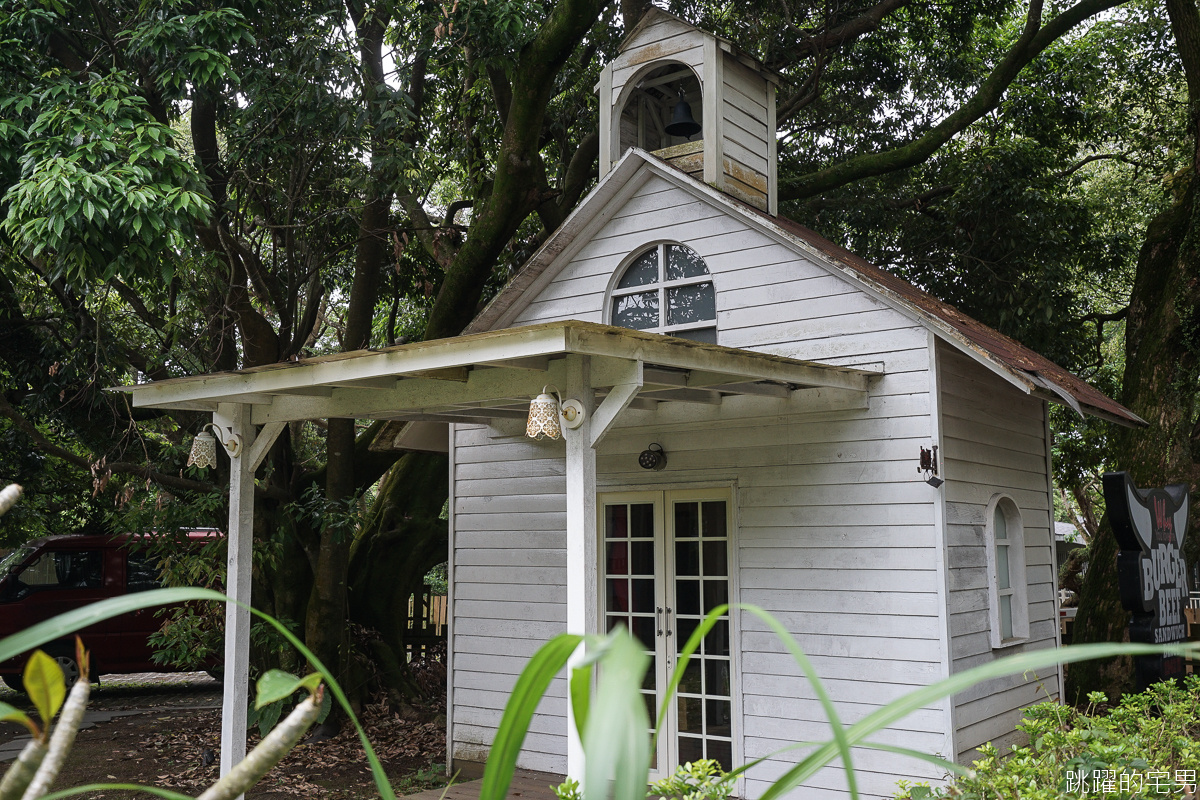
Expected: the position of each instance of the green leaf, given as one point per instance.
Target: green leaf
(10, 714)
(617, 738)
(810, 672)
(581, 694)
(275, 684)
(44, 683)
(532, 683)
(269, 716)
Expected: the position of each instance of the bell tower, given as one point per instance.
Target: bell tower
(696, 101)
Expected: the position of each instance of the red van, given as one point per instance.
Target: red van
(49, 576)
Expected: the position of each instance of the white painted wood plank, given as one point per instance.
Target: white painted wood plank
(855, 647)
(892, 558)
(512, 575)
(909, 673)
(885, 604)
(760, 708)
(745, 80)
(512, 522)
(503, 558)
(530, 540)
(845, 537)
(754, 160)
(914, 581)
(833, 621)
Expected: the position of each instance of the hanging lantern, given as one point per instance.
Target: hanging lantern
(543, 417)
(204, 450)
(204, 447)
(653, 458)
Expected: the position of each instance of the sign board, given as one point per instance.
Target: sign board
(1150, 526)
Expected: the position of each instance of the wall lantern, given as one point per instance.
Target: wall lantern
(928, 465)
(545, 412)
(653, 458)
(204, 446)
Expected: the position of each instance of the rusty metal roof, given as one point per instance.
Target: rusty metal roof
(1018, 358)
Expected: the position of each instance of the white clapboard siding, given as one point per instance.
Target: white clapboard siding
(834, 527)
(510, 588)
(664, 38)
(993, 441)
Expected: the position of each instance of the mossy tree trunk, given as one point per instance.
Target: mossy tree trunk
(1162, 343)
(402, 539)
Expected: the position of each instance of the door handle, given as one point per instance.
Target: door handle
(668, 620)
(658, 622)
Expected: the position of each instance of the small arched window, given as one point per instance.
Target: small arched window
(667, 289)
(1006, 573)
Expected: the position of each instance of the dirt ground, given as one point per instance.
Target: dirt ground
(173, 741)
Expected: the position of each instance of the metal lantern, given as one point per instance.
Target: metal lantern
(204, 446)
(543, 417)
(204, 450)
(653, 458)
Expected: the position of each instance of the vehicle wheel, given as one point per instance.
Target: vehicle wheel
(66, 662)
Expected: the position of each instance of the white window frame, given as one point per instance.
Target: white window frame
(1018, 582)
(661, 286)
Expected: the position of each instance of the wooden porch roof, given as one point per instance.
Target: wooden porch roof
(485, 376)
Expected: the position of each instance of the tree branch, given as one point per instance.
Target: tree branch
(135, 302)
(93, 465)
(1031, 42)
(1122, 157)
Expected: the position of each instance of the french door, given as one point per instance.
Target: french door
(666, 563)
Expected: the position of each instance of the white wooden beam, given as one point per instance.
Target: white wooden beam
(581, 537)
(411, 359)
(262, 444)
(661, 351)
(703, 396)
(415, 394)
(757, 389)
(615, 402)
(533, 363)
(239, 543)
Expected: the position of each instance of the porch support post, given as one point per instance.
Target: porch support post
(581, 534)
(239, 540)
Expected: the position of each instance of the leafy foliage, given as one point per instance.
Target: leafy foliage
(1139, 748)
(695, 780)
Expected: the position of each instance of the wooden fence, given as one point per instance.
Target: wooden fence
(426, 624)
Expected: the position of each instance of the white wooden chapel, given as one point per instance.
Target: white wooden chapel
(792, 387)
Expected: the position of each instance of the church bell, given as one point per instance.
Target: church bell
(682, 123)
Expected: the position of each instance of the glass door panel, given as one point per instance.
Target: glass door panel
(632, 594)
(665, 566)
(701, 583)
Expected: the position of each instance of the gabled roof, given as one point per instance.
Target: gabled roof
(654, 14)
(1008, 358)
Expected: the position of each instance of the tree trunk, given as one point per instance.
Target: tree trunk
(1162, 341)
(402, 539)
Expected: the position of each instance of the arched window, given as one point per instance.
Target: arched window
(667, 289)
(1006, 572)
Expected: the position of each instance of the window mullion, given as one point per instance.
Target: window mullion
(663, 292)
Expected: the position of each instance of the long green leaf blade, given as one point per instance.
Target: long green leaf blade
(617, 733)
(532, 683)
(810, 672)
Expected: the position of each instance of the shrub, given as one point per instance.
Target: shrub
(1147, 746)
